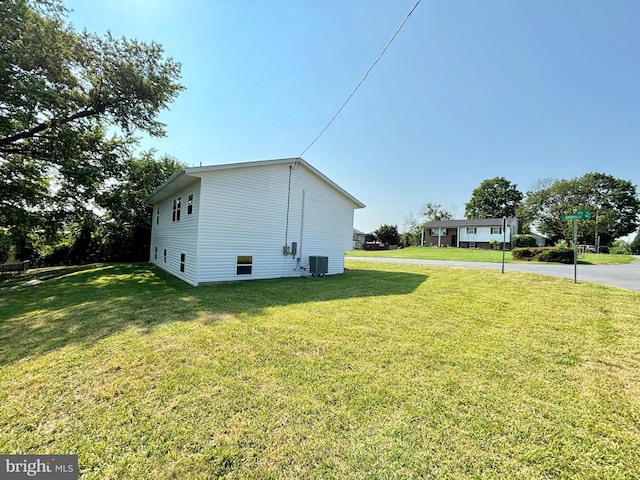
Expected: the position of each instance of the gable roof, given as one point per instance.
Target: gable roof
(186, 176)
(472, 222)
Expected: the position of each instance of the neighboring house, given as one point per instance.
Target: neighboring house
(359, 239)
(541, 241)
(472, 233)
(250, 220)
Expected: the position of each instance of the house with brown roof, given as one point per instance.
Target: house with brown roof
(471, 233)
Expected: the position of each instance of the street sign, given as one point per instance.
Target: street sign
(578, 215)
(575, 216)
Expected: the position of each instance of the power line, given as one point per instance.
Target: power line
(363, 79)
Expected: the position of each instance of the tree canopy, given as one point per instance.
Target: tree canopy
(71, 105)
(388, 234)
(614, 206)
(494, 198)
(434, 211)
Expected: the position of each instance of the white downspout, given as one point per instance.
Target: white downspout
(301, 230)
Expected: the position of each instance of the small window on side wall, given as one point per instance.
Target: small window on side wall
(155, 254)
(158, 216)
(190, 204)
(165, 255)
(244, 264)
(175, 216)
(182, 261)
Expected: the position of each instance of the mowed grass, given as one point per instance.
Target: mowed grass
(387, 371)
(480, 255)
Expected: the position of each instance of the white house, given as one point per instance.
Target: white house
(243, 221)
(470, 233)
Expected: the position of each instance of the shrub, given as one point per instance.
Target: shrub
(544, 254)
(521, 240)
(523, 253)
(560, 255)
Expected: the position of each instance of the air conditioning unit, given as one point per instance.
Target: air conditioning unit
(318, 266)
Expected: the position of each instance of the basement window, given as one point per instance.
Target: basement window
(182, 261)
(244, 264)
(176, 209)
(190, 205)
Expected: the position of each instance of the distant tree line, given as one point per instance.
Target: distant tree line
(614, 205)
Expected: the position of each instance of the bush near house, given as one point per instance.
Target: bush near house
(544, 254)
(523, 240)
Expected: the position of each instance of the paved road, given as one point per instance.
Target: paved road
(623, 276)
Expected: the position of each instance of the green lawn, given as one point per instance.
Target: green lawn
(479, 255)
(387, 371)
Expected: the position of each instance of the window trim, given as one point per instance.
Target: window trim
(244, 266)
(177, 206)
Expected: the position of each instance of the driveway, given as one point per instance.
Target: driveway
(623, 276)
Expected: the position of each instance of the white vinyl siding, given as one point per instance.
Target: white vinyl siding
(246, 214)
(483, 234)
(177, 238)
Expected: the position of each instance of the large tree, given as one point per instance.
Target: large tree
(388, 234)
(434, 211)
(70, 106)
(614, 206)
(494, 198)
(126, 226)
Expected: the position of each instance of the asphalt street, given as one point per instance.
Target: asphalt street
(622, 276)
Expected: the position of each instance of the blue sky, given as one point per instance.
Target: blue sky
(469, 90)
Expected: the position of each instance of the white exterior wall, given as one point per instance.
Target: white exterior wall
(245, 213)
(483, 234)
(177, 237)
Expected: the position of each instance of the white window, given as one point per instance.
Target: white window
(176, 209)
(495, 230)
(190, 204)
(472, 244)
(244, 264)
(472, 230)
(438, 232)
